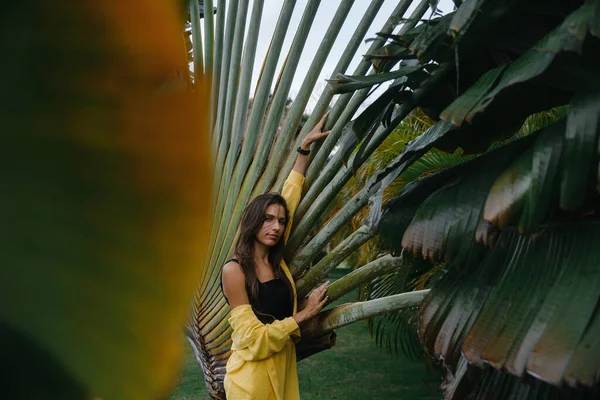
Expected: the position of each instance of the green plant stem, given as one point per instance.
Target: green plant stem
(346, 314)
(295, 114)
(327, 94)
(216, 74)
(331, 260)
(347, 105)
(228, 204)
(366, 273)
(196, 38)
(225, 60)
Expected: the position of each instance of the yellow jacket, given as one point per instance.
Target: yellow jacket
(262, 365)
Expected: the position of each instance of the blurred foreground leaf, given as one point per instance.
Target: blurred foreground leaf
(105, 191)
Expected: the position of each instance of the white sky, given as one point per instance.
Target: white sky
(321, 22)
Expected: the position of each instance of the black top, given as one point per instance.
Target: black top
(275, 299)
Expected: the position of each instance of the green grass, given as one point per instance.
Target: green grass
(354, 369)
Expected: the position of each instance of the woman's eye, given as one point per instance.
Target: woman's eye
(268, 218)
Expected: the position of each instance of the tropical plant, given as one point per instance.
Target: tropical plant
(507, 232)
(252, 155)
(398, 330)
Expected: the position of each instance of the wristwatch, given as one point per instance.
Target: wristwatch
(302, 151)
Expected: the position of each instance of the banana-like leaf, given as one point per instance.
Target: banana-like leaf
(535, 313)
(468, 317)
(106, 197)
(581, 140)
(439, 229)
(490, 384)
(539, 58)
(426, 45)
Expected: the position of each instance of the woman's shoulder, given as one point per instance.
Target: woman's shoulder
(232, 268)
(233, 260)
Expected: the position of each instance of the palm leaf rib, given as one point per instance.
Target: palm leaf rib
(228, 196)
(216, 75)
(224, 165)
(327, 94)
(285, 136)
(345, 107)
(227, 38)
(198, 54)
(267, 134)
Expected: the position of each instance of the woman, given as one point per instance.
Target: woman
(262, 296)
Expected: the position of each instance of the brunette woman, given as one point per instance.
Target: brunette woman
(262, 296)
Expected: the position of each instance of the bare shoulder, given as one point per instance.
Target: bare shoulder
(234, 284)
(232, 272)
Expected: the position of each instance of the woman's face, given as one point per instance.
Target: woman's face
(273, 226)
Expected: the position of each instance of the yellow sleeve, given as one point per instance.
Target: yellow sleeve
(291, 192)
(255, 341)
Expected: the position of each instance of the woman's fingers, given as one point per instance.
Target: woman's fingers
(320, 292)
(323, 134)
(324, 288)
(322, 120)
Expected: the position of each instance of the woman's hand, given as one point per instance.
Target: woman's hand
(315, 302)
(315, 134)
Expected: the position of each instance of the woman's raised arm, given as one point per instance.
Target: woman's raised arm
(292, 187)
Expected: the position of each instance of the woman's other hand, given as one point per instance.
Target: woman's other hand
(314, 303)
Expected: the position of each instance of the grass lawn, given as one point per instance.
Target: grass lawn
(354, 369)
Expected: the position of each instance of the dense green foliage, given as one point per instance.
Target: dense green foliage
(513, 226)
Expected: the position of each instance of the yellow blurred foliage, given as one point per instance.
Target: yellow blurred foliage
(108, 190)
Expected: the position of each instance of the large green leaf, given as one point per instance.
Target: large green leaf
(539, 58)
(439, 229)
(581, 142)
(520, 191)
(460, 108)
(428, 44)
(490, 384)
(543, 190)
(536, 308)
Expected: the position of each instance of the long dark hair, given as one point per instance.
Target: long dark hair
(253, 219)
